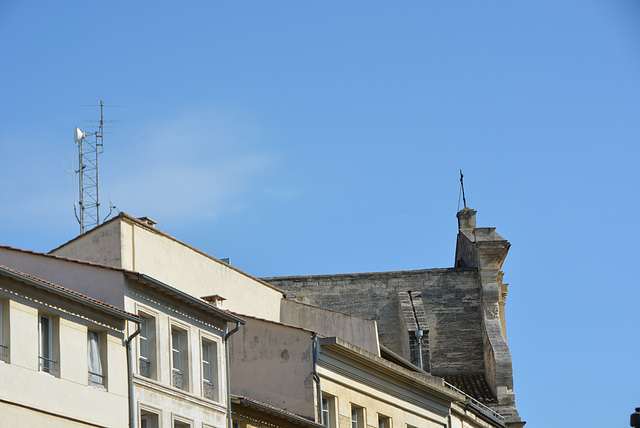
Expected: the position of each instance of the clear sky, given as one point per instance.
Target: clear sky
(325, 137)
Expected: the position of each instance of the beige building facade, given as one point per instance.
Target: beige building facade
(137, 245)
(340, 385)
(63, 363)
(177, 356)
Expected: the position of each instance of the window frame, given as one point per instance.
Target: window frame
(144, 410)
(357, 416)
(384, 421)
(211, 386)
(101, 360)
(182, 422)
(47, 363)
(148, 364)
(179, 356)
(144, 336)
(329, 417)
(176, 363)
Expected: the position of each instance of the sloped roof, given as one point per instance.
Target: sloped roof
(127, 217)
(70, 294)
(474, 385)
(141, 278)
(250, 402)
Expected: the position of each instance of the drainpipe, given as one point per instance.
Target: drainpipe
(419, 334)
(127, 344)
(226, 349)
(316, 351)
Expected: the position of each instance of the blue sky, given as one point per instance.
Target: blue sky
(326, 137)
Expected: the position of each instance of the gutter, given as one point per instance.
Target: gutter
(186, 297)
(226, 351)
(127, 344)
(316, 377)
(69, 294)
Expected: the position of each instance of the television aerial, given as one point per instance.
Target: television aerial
(90, 145)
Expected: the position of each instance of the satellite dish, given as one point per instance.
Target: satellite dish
(78, 135)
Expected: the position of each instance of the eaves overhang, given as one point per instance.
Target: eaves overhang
(185, 297)
(69, 294)
(424, 381)
(264, 407)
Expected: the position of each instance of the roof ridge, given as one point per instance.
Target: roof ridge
(123, 215)
(66, 259)
(26, 276)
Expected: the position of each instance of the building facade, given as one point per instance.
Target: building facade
(407, 349)
(450, 322)
(178, 354)
(63, 363)
(338, 384)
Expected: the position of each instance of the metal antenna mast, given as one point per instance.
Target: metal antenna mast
(89, 147)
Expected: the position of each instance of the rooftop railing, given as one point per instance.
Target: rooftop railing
(487, 411)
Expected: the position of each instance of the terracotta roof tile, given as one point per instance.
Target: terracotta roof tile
(283, 412)
(62, 289)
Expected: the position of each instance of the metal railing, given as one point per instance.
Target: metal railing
(96, 378)
(487, 411)
(48, 365)
(4, 352)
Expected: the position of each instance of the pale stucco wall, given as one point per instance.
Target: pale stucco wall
(36, 398)
(192, 272)
(360, 332)
(100, 245)
(273, 364)
(379, 394)
(157, 395)
(102, 284)
(127, 244)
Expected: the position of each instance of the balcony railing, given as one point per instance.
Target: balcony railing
(96, 380)
(4, 352)
(177, 378)
(48, 365)
(145, 367)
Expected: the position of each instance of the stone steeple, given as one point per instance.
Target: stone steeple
(482, 248)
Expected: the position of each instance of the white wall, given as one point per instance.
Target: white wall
(33, 398)
(192, 272)
(157, 395)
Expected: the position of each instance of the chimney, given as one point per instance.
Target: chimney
(466, 218)
(216, 300)
(148, 221)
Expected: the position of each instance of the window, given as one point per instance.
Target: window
(179, 359)
(384, 421)
(4, 331)
(179, 424)
(210, 370)
(147, 347)
(328, 411)
(95, 358)
(148, 419)
(47, 344)
(357, 417)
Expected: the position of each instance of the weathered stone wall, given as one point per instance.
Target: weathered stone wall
(452, 303)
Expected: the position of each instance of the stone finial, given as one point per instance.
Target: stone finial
(466, 218)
